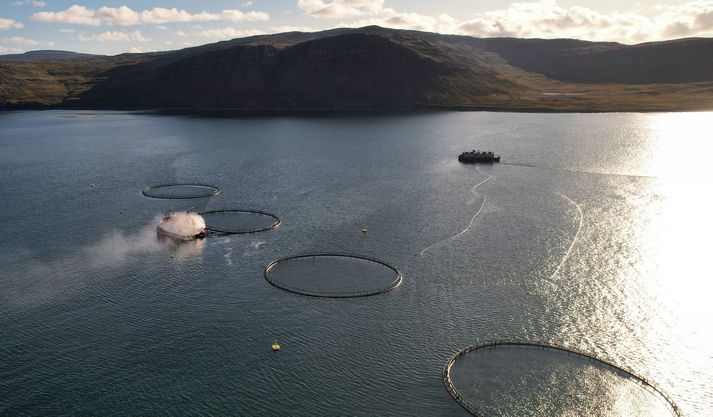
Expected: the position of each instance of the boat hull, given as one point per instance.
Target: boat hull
(476, 160)
(161, 232)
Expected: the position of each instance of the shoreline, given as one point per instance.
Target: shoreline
(268, 112)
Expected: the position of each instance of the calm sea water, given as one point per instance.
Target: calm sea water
(594, 231)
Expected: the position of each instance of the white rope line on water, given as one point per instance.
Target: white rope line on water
(576, 235)
(472, 190)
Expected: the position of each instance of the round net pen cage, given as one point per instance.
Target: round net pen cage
(180, 191)
(332, 275)
(234, 221)
(518, 378)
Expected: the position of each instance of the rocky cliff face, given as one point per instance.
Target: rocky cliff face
(344, 71)
(228, 78)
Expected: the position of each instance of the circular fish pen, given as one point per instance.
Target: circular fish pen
(643, 397)
(332, 275)
(231, 222)
(180, 191)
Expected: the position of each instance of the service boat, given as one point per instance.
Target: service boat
(478, 156)
(164, 230)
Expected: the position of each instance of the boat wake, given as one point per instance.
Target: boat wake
(581, 171)
(576, 235)
(472, 220)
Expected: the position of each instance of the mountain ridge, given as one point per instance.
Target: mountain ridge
(41, 54)
(373, 68)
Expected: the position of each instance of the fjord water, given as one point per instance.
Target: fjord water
(592, 232)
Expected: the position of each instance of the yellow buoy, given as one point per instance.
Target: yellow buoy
(275, 346)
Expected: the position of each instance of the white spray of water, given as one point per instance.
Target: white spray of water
(219, 241)
(472, 190)
(253, 248)
(51, 280)
(116, 247)
(183, 224)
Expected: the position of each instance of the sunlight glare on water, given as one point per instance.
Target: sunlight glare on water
(644, 258)
(680, 145)
(593, 232)
(676, 238)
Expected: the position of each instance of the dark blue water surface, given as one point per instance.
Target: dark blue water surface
(592, 232)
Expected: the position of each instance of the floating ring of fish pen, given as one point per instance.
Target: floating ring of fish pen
(472, 409)
(316, 265)
(271, 222)
(189, 190)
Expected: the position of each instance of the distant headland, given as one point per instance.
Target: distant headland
(371, 69)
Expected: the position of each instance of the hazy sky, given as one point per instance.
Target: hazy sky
(111, 27)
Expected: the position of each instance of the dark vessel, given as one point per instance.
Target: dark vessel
(477, 156)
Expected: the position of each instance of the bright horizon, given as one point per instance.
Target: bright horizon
(105, 27)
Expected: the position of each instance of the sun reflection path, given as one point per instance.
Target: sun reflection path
(664, 282)
(679, 145)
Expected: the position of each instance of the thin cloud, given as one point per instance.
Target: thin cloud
(547, 19)
(160, 15)
(125, 16)
(7, 24)
(75, 15)
(288, 28)
(19, 40)
(690, 19)
(35, 3)
(227, 33)
(238, 16)
(534, 19)
(115, 36)
(339, 9)
(5, 50)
